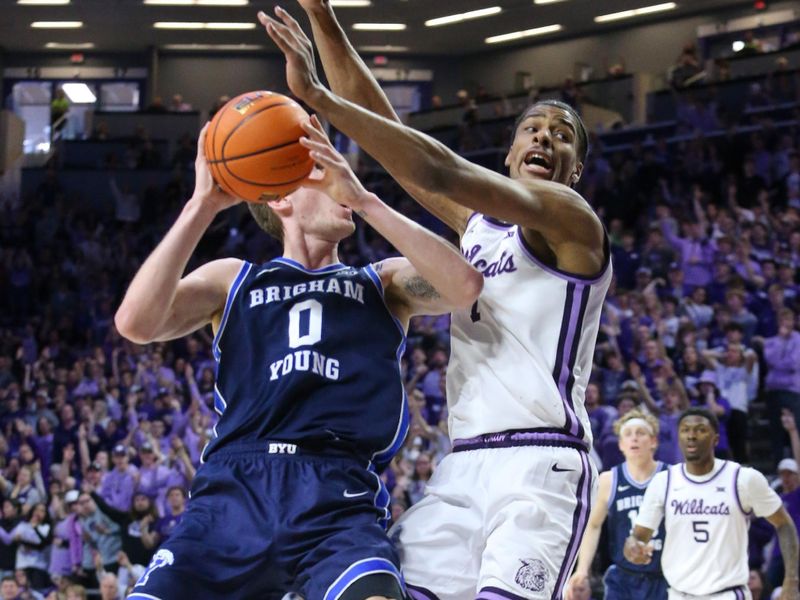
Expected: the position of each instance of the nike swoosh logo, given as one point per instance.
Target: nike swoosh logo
(558, 469)
(263, 271)
(623, 488)
(352, 495)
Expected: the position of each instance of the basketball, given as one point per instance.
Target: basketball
(253, 148)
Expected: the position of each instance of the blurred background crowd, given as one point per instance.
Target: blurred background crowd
(100, 438)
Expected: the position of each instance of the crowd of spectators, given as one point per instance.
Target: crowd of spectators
(100, 438)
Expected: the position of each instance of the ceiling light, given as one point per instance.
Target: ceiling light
(230, 25)
(387, 48)
(43, 2)
(349, 3)
(213, 47)
(197, 2)
(79, 93)
(473, 14)
(200, 25)
(57, 24)
(379, 26)
(69, 46)
(635, 12)
(738, 46)
(546, 1)
(178, 25)
(515, 35)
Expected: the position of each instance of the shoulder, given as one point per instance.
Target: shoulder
(749, 478)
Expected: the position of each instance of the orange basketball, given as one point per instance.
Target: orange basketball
(253, 149)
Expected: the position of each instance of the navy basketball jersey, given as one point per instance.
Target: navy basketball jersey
(623, 507)
(310, 357)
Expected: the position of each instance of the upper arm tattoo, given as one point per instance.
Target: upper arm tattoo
(420, 287)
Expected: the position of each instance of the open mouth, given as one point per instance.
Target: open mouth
(538, 163)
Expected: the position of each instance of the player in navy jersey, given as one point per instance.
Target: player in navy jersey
(620, 492)
(308, 389)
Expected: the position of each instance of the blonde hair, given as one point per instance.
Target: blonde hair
(266, 218)
(636, 413)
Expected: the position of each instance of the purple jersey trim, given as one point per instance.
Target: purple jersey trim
(496, 223)
(613, 491)
(580, 518)
(495, 593)
(572, 277)
(713, 477)
(531, 437)
(736, 492)
(567, 352)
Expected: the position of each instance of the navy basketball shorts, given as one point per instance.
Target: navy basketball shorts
(621, 584)
(261, 524)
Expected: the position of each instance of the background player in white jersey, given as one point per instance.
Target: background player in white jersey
(619, 495)
(504, 514)
(705, 504)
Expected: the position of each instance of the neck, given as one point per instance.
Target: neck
(311, 252)
(702, 466)
(641, 469)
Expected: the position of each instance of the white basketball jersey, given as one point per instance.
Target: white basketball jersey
(702, 520)
(521, 358)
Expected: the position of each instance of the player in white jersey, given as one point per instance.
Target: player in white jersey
(504, 514)
(706, 504)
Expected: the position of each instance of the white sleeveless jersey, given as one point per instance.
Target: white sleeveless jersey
(703, 520)
(522, 356)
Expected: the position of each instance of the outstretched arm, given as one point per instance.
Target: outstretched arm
(351, 79)
(553, 210)
(434, 277)
(787, 539)
(159, 305)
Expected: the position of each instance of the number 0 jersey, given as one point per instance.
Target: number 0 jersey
(521, 358)
(624, 501)
(310, 358)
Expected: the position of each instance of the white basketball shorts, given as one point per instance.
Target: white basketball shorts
(502, 519)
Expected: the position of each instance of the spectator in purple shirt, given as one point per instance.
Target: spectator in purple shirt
(695, 250)
(176, 503)
(118, 485)
(782, 383)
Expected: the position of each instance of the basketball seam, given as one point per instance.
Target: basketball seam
(254, 153)
(260, 184)
(245, 120)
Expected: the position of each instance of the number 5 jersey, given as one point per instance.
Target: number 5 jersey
(706, 519)
(312, 358)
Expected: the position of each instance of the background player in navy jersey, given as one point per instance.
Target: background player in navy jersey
(308, 389)
(706, 504)
(620, 491)
(521, 357)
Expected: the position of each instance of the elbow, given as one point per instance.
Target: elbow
(130, 327)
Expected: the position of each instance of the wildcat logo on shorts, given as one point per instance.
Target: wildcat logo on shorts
(532, 575)
(162, 558)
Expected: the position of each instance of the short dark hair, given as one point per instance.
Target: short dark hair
(696, 411)
(583, 137)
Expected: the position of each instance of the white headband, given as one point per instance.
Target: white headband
(637, 421)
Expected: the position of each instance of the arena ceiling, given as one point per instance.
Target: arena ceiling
(128, 25)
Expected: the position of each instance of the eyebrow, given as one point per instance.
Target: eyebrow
(561, 120)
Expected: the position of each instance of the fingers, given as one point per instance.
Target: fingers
(201, 141)
(314, 130)
(289, 20)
